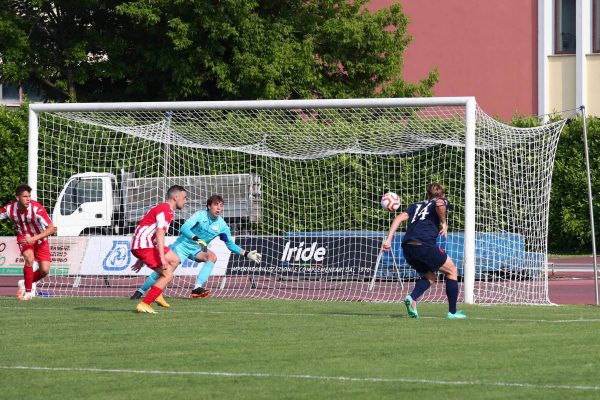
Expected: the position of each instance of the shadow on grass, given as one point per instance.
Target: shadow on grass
(362, 314)
(101, 309)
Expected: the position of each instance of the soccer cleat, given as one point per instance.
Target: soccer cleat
(411, 307)
(145, 308)
(200, 292)
(160, 300)
(137, 295)
(21, 288)
(457, 315)
(26, 296)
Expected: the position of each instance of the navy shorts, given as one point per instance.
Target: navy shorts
(424, 258)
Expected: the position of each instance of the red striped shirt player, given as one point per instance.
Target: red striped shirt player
(33, 227)
(148, 245)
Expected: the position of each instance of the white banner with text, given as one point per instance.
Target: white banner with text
(99, 255)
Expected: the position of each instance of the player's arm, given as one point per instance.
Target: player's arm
(44, 219)
(160, 245)
(161, 230)
(4, 213)
(400, 218)
(440, 209)
(234, 248)
(162, 225)
(50, 230)
(186, 230)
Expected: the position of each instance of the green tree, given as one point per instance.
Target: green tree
(60, 47)
(569, 228)
(13, 168)
(89, 50)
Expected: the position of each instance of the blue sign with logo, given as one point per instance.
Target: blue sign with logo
(118, 258)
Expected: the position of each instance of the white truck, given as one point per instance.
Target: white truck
(94, 203)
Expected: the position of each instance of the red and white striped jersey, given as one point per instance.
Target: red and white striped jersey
(158, 217)
(29, 222)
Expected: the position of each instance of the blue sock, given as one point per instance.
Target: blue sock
(204, 273)
(420, 287)
(150, 280)
(452, 293)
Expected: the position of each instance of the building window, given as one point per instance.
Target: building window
(9, 93)
(565, 36)
(596, 26)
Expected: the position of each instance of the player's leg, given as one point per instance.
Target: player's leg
(421, 285)
(141, 254)
(173, 260)
(209, 259)
(150, 280)
(166, 275)
(24, 293)
(43, 270)
(151, 258)
(41, 253)
(451, 272)
(414, 255)
(139, 293)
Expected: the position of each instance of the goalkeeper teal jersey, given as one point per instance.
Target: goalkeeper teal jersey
(201, 224)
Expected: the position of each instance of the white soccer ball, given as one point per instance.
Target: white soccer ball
(390, 201)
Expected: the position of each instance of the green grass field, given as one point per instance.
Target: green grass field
(265, 349)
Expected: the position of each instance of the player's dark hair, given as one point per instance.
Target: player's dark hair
(215, 198)
(435, 190)
(173, 190)
(22, 188)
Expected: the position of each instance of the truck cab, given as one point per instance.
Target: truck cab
(96, 203)
(86, 205)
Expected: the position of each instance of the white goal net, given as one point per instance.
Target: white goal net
(302, 181)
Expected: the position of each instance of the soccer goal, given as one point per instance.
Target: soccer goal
(302, 182)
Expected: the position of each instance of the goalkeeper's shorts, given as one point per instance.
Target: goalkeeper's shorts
(185, 248)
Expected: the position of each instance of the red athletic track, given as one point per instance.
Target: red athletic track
(572, 287)
(565, 286)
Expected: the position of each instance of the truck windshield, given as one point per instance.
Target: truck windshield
(78, 192)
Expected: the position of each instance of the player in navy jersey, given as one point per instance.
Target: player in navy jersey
(427, 220)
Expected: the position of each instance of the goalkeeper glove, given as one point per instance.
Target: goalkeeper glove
(200, 243)
(254, 256)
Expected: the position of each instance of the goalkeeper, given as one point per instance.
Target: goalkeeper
(196, 233)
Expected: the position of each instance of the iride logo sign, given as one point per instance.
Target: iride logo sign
(341, 256)
(303, 253)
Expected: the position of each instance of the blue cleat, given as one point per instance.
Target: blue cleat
(457, 315)
(411, 307)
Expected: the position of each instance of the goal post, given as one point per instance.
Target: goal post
(302, 181)
(469, 257)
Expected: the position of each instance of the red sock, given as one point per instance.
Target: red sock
(37, 275)
(28, 275)
(153, 293)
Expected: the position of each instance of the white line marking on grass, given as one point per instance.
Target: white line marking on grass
(303, 377)
(350, 314)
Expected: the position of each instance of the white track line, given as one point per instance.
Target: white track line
(303, 377)
(347, 315)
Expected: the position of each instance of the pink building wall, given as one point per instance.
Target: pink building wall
(482, 48)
